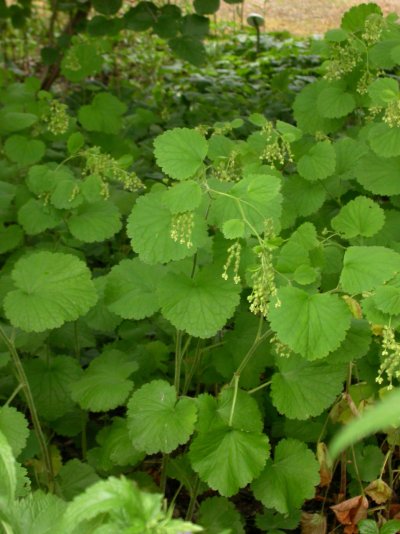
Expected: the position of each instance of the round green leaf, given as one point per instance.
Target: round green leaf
(131, 289)
(51, 288)
(334, 102)
(311, 325)
(387, 299)
(206, 7)
(180, 152)
(289, 479)
(95, 222)
(103, 114)
(50, 382)
(233, 229)
(228, 459)
(384, 140)
(383, 90)
(379, 175)
(107, 7)
(217, 514)
(14, 426)
(318, 163)
(184, 196)
(189, 48)
(172, 420)
(365, 268)
(200, 305)
(149, 227)
(361, 216)
(24, 151)
(105, 383)
(302, 389)
(35, 217)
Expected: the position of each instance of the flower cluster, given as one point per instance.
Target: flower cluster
(392, 113)
(364, 82)
(344, 59)
(234, 260)
(280, 348)
(277, 150)
(57, 118)
(374, 25)
(391, 357)
(228, 169)
(263, 278)
(182, 228)
(71, 60)
(106, 167)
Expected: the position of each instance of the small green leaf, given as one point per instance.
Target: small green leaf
(131, 289)
(228, 459)
(383, 90)
(302, 389)
(379, 175)
(387, 299)
(95, 222)
(24, 151)
(105, 383)
(51, 288)
(289, 479)
(256, 197)
(217, 514)
(172, 420)
(200, 305)
(14, 427)
(50, 382)
(361, 216)
(184, 196)
(318, 163)
(75, 142)
(180, 152)
(104, 114)
(384, 140)
(74, 477)
(8, 477)
(365, 268)
(35, 217)
(311, 325)
(335, 102)
(233, 229)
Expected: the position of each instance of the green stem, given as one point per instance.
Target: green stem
(193, 499)
(178, 361)
(163, 479)
(22, 379)
(235, 392)
(250, 353)
(388, 455)
(13, 394)
(262, 386)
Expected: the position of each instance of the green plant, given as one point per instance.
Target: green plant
(177, 326)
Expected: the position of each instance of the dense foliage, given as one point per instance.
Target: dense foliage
(200, 275)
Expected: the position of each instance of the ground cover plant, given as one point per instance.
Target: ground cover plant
(195, 300)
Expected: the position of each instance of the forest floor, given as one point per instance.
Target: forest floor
(300, 17)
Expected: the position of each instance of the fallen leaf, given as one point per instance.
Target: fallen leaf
(325, 469)
(379, 491)
(313, 523)
(350, 512)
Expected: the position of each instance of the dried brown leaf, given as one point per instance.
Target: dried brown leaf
(350, 512)
(313, 523)
(379, 491)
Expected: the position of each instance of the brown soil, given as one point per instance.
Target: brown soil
(300, 17)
